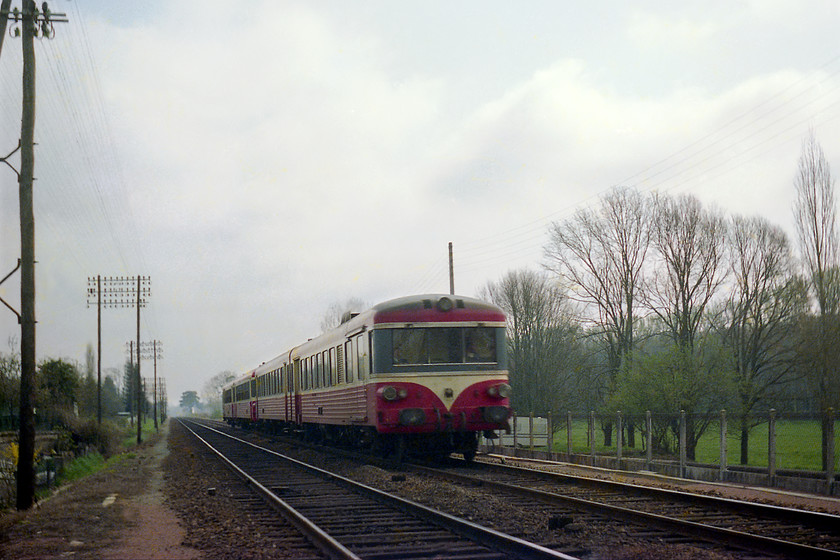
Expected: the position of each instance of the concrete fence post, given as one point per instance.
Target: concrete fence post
(515, 434)
(531, 433)
(550, 428)
(723, 446)
(618, 433)
(683, 445)
(648, 440)
(569, 435)
(829, 472)
(771, 447)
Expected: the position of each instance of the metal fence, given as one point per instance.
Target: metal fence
(770, 449)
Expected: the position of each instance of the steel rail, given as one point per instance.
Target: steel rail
(814, 518)
(324, 542)
(507, 544)
(719, 535)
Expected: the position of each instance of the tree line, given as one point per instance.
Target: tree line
(651, 301)
(67, 399)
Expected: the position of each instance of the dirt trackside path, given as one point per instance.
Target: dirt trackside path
(118, 513)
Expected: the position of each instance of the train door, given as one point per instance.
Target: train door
(296, 411)
(254, 399)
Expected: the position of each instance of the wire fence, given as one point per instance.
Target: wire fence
(769, 449)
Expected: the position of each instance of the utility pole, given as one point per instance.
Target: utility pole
(32, 23)
(94, 296)
(122, 292)
(26, 450)
(153, 350)
(451, 271)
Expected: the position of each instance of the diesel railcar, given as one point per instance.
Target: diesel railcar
(423, 374)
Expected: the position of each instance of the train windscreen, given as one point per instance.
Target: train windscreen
(444, 345)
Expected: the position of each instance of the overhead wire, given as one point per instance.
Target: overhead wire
(776, 122)
(79, 172)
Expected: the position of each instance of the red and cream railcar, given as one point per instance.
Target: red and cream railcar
(425, 373)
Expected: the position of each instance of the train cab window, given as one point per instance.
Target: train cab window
(362, 354)
(443, 345)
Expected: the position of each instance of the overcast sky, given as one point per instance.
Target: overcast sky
(261, 160)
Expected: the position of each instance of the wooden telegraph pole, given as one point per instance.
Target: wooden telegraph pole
(30, 23)
(122, 292)
(26, 450)
(153, 350)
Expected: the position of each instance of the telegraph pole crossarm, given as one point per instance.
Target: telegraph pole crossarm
(15, 269)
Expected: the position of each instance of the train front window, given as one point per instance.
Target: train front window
(443, 345)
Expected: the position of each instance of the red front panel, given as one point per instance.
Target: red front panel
(467, 411)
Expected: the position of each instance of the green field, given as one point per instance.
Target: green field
(797, 443)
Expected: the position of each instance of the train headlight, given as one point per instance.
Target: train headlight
(445, 304)
(391, 393)
(500, 391)
(495, 414)
(412, 417)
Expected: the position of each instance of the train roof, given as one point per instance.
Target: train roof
(422, 308)
(436, 308)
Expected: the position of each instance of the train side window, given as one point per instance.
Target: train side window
(312, 361)
(349, 361)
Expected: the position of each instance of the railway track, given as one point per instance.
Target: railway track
(345, 519)
(776, 532)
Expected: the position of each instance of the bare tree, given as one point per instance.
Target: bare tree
(211, 392)
(600, 255)
(766, 299)
(690, 244)
(815, 215)
(539, 338)
(690, 247)
(337, 310)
